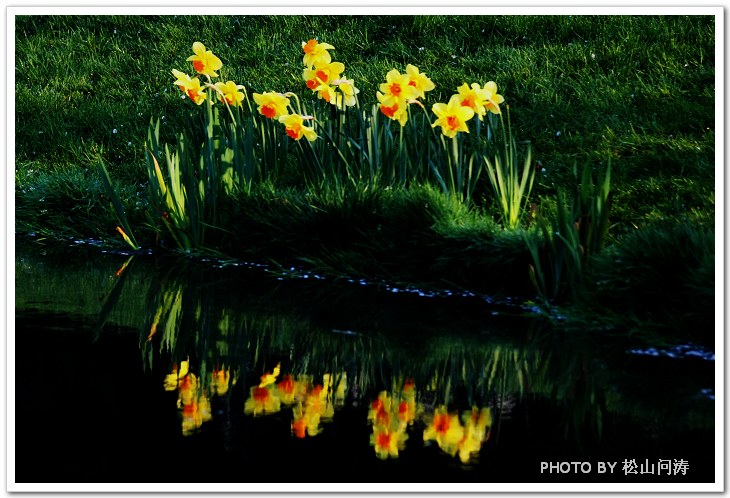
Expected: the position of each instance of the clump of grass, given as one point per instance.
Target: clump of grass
(418, 236)
(70, 203)
(660, 278)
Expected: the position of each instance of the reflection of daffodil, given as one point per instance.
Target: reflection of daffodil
(452, 117)
(194, 414)
(476, 431)
(387, 443)
(287, 389)
(262, 400)
(220, 380)
(172, 380)
(270, 378)
(204, 62)
(379, 413)
(446, 430)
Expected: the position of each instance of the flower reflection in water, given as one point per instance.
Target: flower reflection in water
(191, 400)
(454, 438)
(392, 414)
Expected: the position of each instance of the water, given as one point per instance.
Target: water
(148, 370)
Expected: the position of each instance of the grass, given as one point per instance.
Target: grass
(635, 90)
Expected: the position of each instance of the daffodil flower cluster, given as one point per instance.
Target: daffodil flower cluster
(325, 77)
(206, 63)
(400, 90)
(453, 437)
(390, 415)
(193, 401)
(270, 104)
(311, 403)
(470, 101)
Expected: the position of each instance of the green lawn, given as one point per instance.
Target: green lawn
(638, 91)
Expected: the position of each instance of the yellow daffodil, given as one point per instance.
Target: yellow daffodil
(419, 81)
(446, 430)
(189, 86)
(316, 53)
(326, 93)
(272, 105)
(495, 99)
(387, 443)
(295, 128)
(395, 109)
(347, 92)
(475, 98)
(229, 92)
(204, 62)
(323, 73)
(397, 88)
(452, 117)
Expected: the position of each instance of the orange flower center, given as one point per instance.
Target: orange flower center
(260, 394)
(325, 95)
(268, 110)
(395, 89)
(321, 75)
(403, 408)
(452, 122)
(298, 427)
(469, 102)
(199, 65)
(413, 83)
(294, 131)
(193, 94)
(384, 440)
(389, 111)
(441, 424)
(312, 84)
(309, 47)
(286, 385)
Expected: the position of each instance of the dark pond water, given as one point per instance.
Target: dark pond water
(145, 370)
